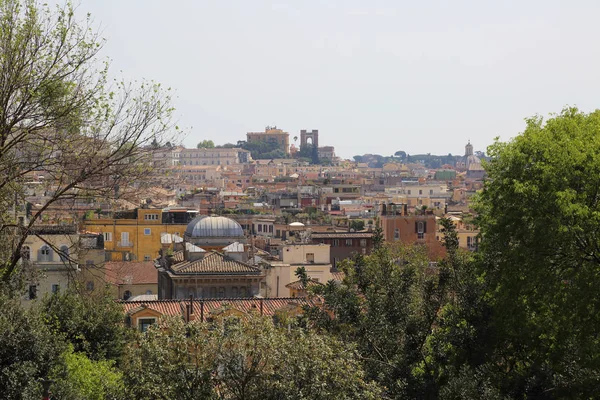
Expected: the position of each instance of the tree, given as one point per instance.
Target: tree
(357, 225)
(28, 350)
(78, 377)
(59, 118)
(539, 213)
(242, 358)
(206, 144)
(91, 322)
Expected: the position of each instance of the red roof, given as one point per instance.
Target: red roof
(131, 272)
(178, 307)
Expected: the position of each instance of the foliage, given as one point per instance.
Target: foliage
(263, 150)
(206, 144)
(28, 350)
(91, 322)
(357, 225)
(59, 115)
(540, 213)
(248, 358)
(78, 377)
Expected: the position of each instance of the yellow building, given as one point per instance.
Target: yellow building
(135, 235)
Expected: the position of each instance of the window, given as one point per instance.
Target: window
(270, 228)
(108, 236)
(125, 239)
(336, 242)
(26, 253)
(55, 288)
(420, 192)
(221, 292)
(126, 295)
(151, 217)
(234, 292)
(421, 228)
(243, 292)
(148, 292)
(145, 323)
(363, 242)
(430, 191)
(64, 253)
(45, 253)
(147, 231)
(348, 242)
(32, 292)
(147, 257)
(89, 286)
(213, 292)
(409, 191)
(310, 258)
(260, 227)
(396, 234)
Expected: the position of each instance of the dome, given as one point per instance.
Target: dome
(213, 227)
(296, 224)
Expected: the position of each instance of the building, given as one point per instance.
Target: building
(271, 135)
(468, 159)
(135, 235)
(211, 261)
(314, 258)
(327, 153)
(214, 156)
(128, 280)
(420, 229)
(142, 314)
(54, 257)
(344, 245)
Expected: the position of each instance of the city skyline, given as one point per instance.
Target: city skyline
(372, 78)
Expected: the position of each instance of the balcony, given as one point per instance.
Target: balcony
(124, 243)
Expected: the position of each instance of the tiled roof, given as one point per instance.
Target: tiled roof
(130, 272)
(338, 276)
(178, 307)
(297, 285)
(342, 235)
(214, 263)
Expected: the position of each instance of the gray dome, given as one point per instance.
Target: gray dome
(213, 227)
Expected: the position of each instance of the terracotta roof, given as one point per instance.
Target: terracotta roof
(130, 272)
(338, 276)
(214, 263)
(297, 285)
(342, 235)
(178, 307)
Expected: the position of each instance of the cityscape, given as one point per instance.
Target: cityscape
(140, 259)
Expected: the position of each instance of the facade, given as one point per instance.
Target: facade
(131, 279)
(327, 153)
(55, 255)
(344, 245)
(279, 274)
(271, 135)
(411, 229)
(214, 156)
(135, 236)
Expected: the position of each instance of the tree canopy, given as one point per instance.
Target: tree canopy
(206, 144)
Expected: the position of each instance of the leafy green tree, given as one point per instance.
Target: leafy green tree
(28, 350)
(539, 213)
(91, 322)
(206, 144)
(357, 225)
(243, 359)
(78, 377)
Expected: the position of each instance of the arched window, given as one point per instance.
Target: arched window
(64, 253)
(45, 253)
(126, 295)
(26, 253)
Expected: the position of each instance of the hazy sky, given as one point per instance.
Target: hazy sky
(371, 76)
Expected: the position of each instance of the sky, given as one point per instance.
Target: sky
(371, 76)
